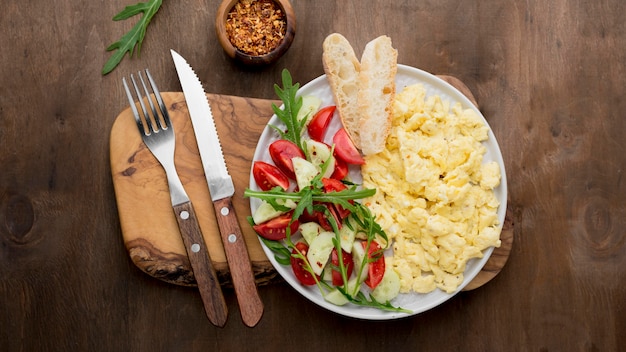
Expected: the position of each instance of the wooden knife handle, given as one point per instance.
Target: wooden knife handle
(203, 270)
(238, 259)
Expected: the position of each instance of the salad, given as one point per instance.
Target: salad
(310, 215)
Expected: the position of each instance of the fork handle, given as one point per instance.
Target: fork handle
(203, 270)
(250, 304)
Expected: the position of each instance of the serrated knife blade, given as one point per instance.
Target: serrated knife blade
(222, 189)
(213, 163)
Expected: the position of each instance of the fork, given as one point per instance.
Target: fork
(158, 135)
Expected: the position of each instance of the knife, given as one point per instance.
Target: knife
(222, 189)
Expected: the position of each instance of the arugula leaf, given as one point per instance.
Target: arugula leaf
(289, 113)
(308, 196)
(362, 300)
(281, 253)
(134, 37)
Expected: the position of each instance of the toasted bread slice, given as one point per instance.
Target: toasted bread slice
(377, 89)
(342, 71)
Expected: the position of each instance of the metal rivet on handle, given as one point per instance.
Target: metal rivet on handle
(184, 215)
(224, 211)
(232, 238)
(195, 248)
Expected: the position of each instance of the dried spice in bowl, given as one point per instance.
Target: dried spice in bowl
(256, 27)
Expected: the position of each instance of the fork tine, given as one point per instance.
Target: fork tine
(133, 107)
(157, 95)
(146, 114)
(155, 115)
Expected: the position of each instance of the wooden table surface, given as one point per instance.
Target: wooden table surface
(549, 77)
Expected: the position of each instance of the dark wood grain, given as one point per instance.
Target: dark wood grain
(548, 76)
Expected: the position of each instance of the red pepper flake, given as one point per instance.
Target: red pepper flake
(256, 27)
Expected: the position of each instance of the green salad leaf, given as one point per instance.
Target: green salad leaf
(132, 40)
(289, 112)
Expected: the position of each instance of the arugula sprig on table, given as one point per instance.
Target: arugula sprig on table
(309, 199)
(132, 40)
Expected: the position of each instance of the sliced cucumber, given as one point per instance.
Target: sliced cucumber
(327, 274)
(310, 230)
(336, 297)
(266, 211)
(346, 237)
(389, 287)
(310, 105)
(354, 286)
(360, 260)
(319, 153)
(305, 172)
(319, 251)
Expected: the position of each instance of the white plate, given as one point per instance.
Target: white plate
(415, 302)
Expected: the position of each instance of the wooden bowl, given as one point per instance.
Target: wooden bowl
(251, 59)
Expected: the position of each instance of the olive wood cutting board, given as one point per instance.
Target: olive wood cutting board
(148, 225)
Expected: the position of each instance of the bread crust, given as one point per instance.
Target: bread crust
(342, 72)
(376, 93)
(364, 90)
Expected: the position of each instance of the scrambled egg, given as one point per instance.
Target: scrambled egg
(434, 194)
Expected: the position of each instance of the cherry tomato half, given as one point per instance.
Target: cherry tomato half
(319, 123)
(345, 149)
(298, 265)
(348, 263)
(268, 176)
(322, 217)
(376, 268)
(308, 217)
(276, 228)
(341, 169)
(282, 151)
(333, 185)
